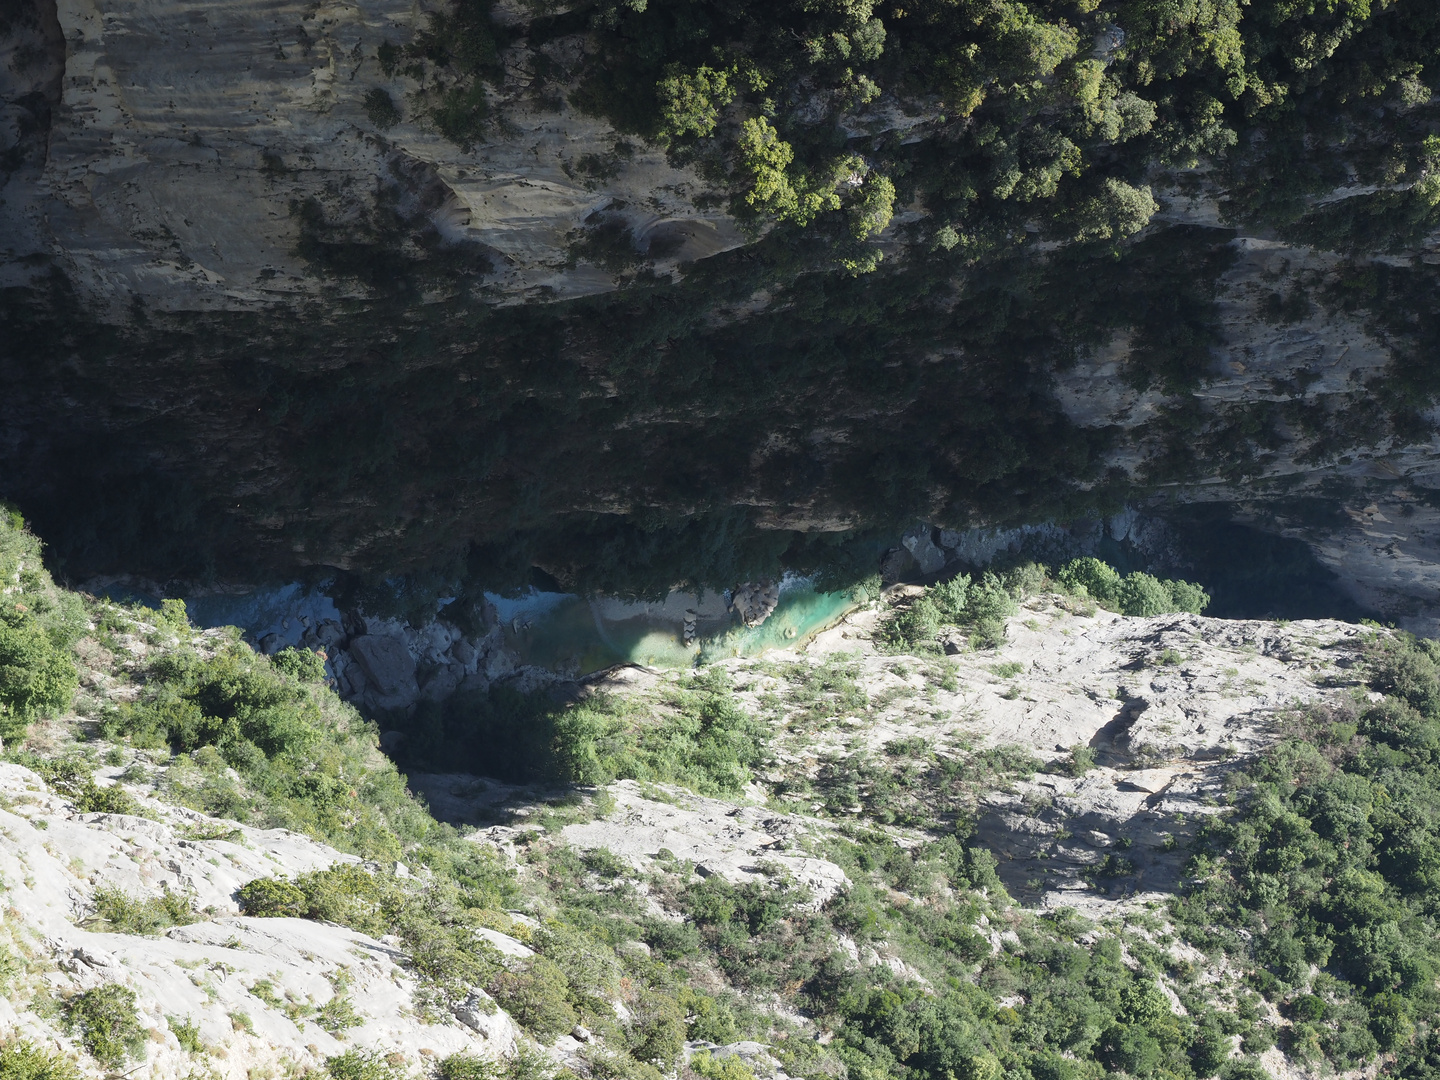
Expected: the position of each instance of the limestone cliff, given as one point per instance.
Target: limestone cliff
(266, 317)
(184, 142)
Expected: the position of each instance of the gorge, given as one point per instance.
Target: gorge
(708, 540)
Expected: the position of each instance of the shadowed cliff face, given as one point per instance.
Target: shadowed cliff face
(256, 323)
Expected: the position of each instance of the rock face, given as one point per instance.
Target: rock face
(1166, 705)
(1383, 542)
(720, 838)
(392, 665)
(184, 138)
(173, 161)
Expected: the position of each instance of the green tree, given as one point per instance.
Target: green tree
(1141, 594)
(690, 103)
(765, 160)
(37, 676)
(1098, 579)
(108, 1024)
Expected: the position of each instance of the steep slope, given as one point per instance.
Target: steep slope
(803, 865)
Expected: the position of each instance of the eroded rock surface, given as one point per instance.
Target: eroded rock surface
(53, 860)
(191, 146)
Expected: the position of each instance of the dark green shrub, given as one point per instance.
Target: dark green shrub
(988, 634)
(363, 1065)
(346, 893)
(270, 898)
(1096, 578)
(1405, 667)
(729, 1067)
(121, 913)
(468, 1067)
(1130, 1048)
(1141, 594)
(443, 951)
(1244, 1069)
(37, 677)
(1134, 594)
(299, 664)
(1026, 579)
(672, 940)
(989, 602)
(1187, 596)
(706, 1018)
(1307, 1008)
(21, 1060)
(187, 1034)
(1390, 1020)
(108, 1024)
(657, 1029)
(949, 598)
(1080, 761)
(38, 625)
(1209, 1051)
(913, 627)
(535, 993)
(380, 107)
(72, 778)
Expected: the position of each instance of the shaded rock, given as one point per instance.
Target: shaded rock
(499, 664)
(442, 682)
(330, 633)
(389, 670)
(928, 558)
(897, 565)
(475, 683)
(465, 654)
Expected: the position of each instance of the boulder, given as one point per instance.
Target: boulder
(330, 634)
(499, 664)
(442, 682)
(432, 641)
(389, 669)
(349, 679)
(464, 654)
(481, 1015)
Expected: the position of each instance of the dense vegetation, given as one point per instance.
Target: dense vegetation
(981, 607)
(1325, 879)
(38, 624)
(1016, 117)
